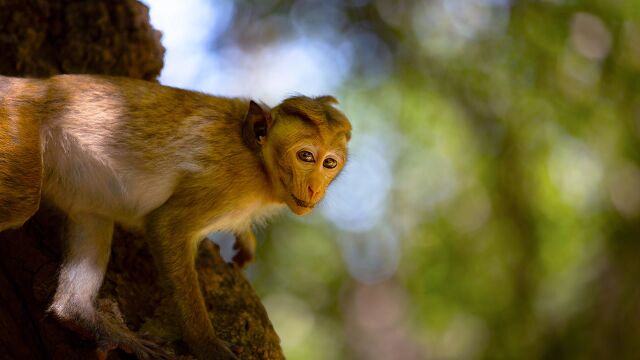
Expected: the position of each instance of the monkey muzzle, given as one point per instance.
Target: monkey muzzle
(302, 203)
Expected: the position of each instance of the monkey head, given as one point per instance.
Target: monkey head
(303, 144)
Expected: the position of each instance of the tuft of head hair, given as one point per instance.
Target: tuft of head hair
(318, 111)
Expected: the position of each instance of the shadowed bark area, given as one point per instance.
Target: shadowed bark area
(42, 38)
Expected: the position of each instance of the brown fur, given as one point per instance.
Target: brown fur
(20, 158)
(176, 163)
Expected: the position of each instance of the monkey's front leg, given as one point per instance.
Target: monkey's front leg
(174, 248)
(81, 275)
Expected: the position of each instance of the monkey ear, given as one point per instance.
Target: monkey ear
(257, 123)
(327, 99)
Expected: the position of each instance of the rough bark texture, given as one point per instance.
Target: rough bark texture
(41, 38)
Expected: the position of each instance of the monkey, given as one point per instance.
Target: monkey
(172, 163)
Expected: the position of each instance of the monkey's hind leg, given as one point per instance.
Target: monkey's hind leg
(81, 275)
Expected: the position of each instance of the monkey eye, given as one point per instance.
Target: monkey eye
(329, 163)
(305, 156)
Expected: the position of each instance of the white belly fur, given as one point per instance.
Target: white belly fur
(78, 180)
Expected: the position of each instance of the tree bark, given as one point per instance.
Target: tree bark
(43, 38)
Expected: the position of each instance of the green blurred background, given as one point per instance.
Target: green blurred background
(490, 206)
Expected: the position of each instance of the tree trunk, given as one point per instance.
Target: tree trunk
(43, 38)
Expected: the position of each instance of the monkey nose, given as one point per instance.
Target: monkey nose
(311, 192)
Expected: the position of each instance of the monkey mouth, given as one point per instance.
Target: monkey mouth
(302, 203)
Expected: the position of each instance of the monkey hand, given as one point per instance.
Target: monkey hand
(243, 256)
(246, 248)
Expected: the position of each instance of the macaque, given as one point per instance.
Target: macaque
(175, 164)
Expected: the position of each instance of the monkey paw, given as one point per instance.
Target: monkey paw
(143, 349)
(243, 256)
(130, 342)
(216, 349)
(112, 333)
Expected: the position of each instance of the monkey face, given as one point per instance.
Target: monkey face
(304, 148)
(303, 144)
(303, 161)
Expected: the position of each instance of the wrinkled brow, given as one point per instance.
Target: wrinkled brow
(305, 109)
(316, 110)
(304, 116)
